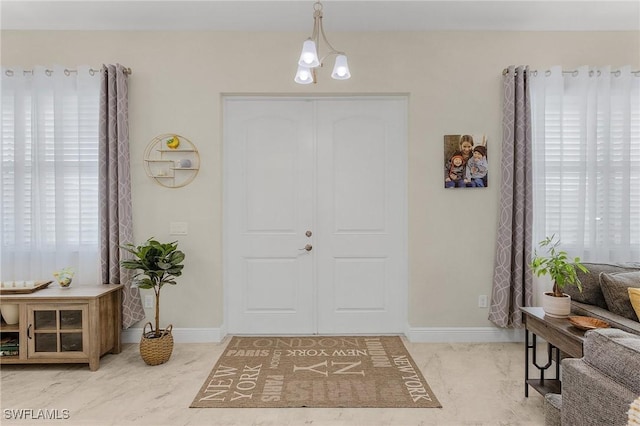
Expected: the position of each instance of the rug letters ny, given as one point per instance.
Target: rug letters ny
(322, 371)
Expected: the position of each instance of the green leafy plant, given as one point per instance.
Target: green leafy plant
(557, 264)
(159, 264)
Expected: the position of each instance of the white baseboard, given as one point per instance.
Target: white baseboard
(464, 335)
(413, 334)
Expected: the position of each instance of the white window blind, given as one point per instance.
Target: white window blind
(586, 137)
(49, 173)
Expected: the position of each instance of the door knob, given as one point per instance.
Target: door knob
(308, 247)
(308, 233)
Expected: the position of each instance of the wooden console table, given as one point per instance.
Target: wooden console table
(74, 325)
(561, 337)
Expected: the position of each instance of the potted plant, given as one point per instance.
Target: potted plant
(158, 264)
(562, 271)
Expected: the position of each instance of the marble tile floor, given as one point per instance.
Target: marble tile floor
(476, 383)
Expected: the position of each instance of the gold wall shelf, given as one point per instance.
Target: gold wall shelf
(171, 160)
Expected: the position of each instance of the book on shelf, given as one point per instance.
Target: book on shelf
(9, 346)
(7, 340)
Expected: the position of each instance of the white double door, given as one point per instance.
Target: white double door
(315, 215)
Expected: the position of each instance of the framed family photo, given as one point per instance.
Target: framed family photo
(466, 162)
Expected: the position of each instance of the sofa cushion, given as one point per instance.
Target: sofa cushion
(634, 297)
(608, 349)
(591, 291)
(616, 293)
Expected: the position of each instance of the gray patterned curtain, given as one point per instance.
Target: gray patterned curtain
(512, 278)
(116, 222)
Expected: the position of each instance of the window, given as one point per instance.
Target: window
(586, 137)
(49, 173)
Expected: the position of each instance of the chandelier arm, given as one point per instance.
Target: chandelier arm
(324, 37)
(315, 32)
(335, 52)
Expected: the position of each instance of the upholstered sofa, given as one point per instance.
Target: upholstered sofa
(605, 294)
(598, 389)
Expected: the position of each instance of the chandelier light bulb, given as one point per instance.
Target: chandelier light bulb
(304, 75)
(309, 55)
(341, 68)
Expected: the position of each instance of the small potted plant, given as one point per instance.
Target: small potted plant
(157, 264)
(562, 271)
(64, 276)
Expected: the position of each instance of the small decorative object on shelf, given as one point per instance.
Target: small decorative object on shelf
(174, 142)
(64, 276)
(171, 160)
(10, 313)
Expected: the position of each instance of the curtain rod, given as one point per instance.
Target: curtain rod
(574, 72)
(67, 71)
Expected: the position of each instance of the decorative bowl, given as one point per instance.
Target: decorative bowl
(10, 313)
(65, 283)
(587, 323)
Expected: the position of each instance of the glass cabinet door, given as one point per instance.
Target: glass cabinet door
(57, 329)
(71, 330)
(44, 322)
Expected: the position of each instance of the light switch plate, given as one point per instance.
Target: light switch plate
(178, 228)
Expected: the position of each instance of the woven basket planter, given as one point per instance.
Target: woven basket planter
(156, 350)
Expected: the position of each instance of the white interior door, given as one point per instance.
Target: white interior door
(268, 208)
(331, 168)
(361, 254)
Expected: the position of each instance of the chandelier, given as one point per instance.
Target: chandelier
(309, 57)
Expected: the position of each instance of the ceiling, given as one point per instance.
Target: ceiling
(339, 15)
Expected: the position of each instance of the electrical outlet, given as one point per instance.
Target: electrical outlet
(148, 301)
(483, 301)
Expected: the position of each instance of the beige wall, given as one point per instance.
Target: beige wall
(453, 80)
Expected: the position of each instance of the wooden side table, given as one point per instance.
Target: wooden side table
(563, 340)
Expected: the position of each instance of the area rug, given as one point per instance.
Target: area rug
(321, 371)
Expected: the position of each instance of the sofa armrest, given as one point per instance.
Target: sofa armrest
(616, 354)
(590, 398)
